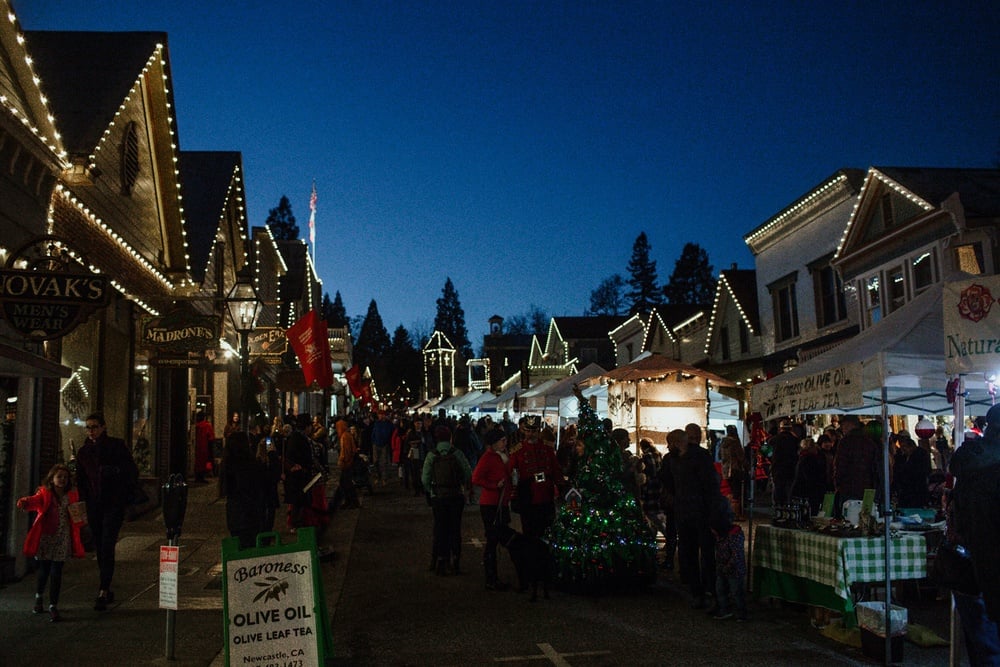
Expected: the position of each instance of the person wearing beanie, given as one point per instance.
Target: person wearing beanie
(491, 476)
(445, 477)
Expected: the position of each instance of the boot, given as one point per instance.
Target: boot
(493, 583)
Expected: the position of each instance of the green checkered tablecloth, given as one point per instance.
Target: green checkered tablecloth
(838, 562)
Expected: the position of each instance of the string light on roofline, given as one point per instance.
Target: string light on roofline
(146, 264)
(51, 142)
(873, 175)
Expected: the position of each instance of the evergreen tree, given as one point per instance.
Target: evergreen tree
(644, 292)
(372, 346)
(406, 361)
(281, 221)
(609, 297)
(600, 540)
(336, 316)
(692, 281)
(450, 320)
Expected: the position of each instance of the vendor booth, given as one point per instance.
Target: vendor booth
(655, 394)
(898, 366)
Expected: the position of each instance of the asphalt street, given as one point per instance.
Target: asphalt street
(386, 608)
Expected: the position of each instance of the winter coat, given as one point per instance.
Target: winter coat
(696, 485)
(47, 522)
(105, 473)
(490, 471)
(534, 457)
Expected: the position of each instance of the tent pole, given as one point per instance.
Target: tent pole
(886, 520)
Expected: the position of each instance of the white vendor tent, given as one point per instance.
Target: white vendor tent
(902, 355)
(546, 402)
(596, 395)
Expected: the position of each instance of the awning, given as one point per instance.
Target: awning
(15, 362)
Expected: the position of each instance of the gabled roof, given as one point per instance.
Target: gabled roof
(86, 77)
(19, 86)
(979, 189)
(589, 327)
(739, 285)
(846, 181)
(208, 178)
(924, 189)
(438, 341)
(658, 367)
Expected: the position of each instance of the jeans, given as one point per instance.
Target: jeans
(981, 637)
(731, 589)
(448, 527)
(49, 571)
(696, 553)
(105, 523)
(381, 461)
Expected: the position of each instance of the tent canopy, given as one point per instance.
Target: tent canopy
(904, 353)
(655, 366)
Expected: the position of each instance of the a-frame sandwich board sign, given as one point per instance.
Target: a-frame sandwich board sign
(273, 603)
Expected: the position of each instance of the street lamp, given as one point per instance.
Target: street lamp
(244, 308)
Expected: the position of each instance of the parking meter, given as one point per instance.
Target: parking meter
(175, 494)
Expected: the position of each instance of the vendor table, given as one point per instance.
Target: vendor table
(816, 569)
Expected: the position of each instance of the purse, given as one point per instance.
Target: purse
(952, 568)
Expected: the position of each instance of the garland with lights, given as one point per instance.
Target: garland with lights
(600, 540)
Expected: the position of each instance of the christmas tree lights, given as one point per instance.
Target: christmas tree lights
(600, 540)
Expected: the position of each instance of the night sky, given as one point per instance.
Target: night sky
(520, 147)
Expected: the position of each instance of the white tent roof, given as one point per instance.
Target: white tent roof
(569, 406)
(904, 352)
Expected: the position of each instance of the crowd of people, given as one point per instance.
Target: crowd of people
(501, 466)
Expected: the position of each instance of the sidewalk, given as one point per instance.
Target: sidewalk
(133, 630)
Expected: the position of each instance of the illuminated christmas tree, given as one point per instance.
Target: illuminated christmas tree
(600, 540)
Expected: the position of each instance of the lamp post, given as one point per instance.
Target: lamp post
(244, 308)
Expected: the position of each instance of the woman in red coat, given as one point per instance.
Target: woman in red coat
(54, 536)
(491, 475)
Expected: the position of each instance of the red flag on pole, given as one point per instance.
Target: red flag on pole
(310, 340)
(353, 376)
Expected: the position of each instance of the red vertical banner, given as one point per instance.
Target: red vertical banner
(310, 340)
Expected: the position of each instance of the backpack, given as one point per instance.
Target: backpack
(446, 475)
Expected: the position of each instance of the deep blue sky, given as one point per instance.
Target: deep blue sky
(520, 147)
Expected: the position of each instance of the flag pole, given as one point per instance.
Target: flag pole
(312, 222)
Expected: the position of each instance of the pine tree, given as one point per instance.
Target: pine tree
(406, 361)
(281, 221)
(600, 540)
(336, 316)
(644, 292)
(692, 281)
(372, 346)
(450, 320)
(609, 297)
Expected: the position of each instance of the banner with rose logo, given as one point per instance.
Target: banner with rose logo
(972, 325)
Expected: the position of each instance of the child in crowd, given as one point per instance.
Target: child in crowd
(54, 536)
(730, 568)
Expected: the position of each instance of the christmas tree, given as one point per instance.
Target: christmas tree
(600, 540)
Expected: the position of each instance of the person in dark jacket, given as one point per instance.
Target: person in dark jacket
(697, 495)
(245, 483)
(810, 475)
(298, 467)
(857, 463)
(910, 470)
(106, 475)
(975, 498)
(784, 459)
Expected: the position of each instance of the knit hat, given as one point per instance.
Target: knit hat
(493, 436)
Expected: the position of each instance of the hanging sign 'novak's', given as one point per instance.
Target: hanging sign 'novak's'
(43, 305)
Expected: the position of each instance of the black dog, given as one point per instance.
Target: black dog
(531, 558)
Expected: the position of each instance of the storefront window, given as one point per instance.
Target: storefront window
(76, 394)
(142, 436)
